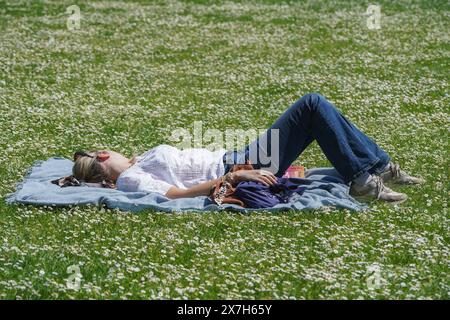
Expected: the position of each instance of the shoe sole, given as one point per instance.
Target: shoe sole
(370, 199)
(397, 183)
(396, 202)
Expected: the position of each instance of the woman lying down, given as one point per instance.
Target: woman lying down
(195, 172)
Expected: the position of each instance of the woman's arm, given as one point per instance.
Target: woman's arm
(203, 189)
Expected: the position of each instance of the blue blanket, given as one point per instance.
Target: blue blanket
(325, 188)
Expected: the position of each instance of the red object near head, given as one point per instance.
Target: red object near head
(102, 156)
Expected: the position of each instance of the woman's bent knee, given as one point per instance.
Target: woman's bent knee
(313, 97)
(310, 101)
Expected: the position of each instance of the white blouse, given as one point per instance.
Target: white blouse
(165, 166)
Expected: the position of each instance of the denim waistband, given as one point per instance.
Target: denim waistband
(238, 157)
(226, 165)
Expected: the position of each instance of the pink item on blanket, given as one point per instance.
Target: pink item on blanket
(295, 172)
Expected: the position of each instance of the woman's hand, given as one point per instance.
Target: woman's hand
(259, 175)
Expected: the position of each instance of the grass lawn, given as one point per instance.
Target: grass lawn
(136, 70)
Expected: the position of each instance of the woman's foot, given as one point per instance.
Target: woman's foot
(374, 189)
(394, 174)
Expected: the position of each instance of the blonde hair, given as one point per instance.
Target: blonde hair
(89, 170)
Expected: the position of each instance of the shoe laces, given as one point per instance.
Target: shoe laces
(395, 170)
(379, 185)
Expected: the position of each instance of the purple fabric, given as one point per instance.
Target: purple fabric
(257, 195)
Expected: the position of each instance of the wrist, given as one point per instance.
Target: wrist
(236, 177)
(231, 178)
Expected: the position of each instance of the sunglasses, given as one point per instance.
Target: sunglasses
(99, 157)
(79, 154)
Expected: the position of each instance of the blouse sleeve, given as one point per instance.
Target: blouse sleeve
(142, 182)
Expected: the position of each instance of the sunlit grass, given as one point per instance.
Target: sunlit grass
(136, 70)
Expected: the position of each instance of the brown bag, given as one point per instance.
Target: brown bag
(223, 191)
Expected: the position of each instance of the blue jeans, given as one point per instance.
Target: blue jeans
(310, 118)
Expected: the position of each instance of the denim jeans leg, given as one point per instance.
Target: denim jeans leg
(313, 117)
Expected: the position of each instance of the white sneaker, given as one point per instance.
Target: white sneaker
(375, 190)
(393, 174)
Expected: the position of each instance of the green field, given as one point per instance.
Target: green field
(136, 70)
